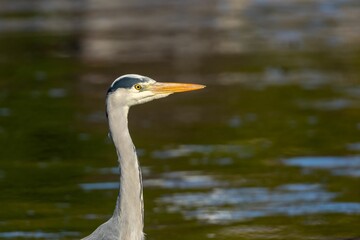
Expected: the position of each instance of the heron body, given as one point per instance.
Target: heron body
(127, 221)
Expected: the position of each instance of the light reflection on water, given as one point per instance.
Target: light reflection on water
(236, 27)
(347, 166)
(38, 234)
(222, 204)
(229, 204)
(205, 150)
(171, 180)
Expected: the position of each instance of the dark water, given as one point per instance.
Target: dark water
(269, 150)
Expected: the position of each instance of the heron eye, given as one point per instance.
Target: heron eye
(137, 86)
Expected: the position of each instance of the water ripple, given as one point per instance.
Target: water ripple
(237, 204)
(346, 166)
(171, 180)
(38, 234)
(187, 150)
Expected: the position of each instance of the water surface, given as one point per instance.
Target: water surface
(269, 150)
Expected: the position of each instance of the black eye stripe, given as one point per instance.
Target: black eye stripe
(125, 82)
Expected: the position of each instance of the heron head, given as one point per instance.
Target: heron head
(133, 89)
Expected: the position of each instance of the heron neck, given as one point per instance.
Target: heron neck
(129, 206)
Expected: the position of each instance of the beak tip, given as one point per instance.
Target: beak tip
(176, 87)
(193, 87)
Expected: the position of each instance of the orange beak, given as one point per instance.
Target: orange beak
(164, 87)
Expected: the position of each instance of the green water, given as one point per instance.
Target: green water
(269, 150)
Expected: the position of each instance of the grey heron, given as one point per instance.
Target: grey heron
(127, 221)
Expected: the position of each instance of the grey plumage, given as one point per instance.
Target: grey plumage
(127, 221)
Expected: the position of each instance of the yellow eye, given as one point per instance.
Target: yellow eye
(137, 86)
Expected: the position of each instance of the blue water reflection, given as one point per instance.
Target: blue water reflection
(170, 180)
(347, 166)
(238, 204)
(38, 235)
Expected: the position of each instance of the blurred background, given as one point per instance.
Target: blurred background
(269, 150)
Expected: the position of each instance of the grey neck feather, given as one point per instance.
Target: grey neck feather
(129, 206)
(127, 222)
